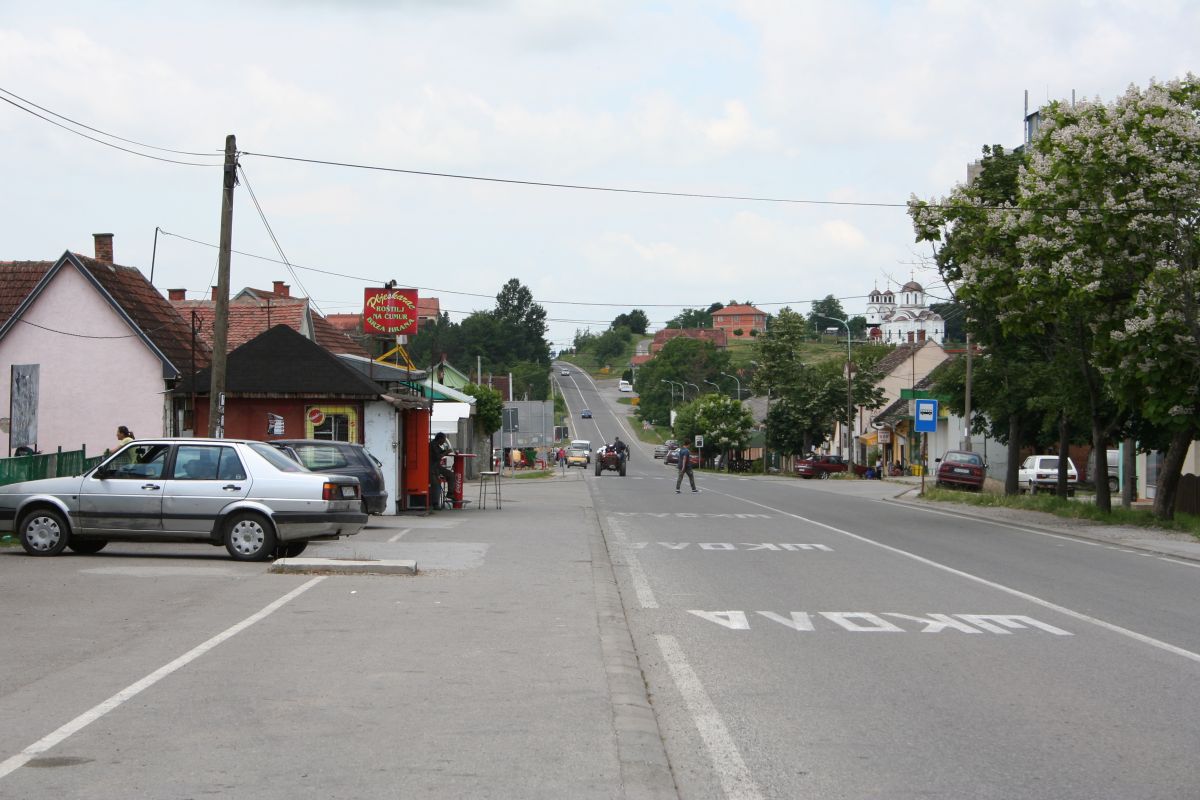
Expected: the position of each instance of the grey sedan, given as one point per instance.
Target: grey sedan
(245, 495)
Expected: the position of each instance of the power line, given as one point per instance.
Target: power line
(214, 154)
(271, 233)
(382, 281)
(101, 141)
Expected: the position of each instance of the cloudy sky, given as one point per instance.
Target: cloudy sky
(832, 104)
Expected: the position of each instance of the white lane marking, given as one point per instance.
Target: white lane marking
(641, 586)
(1072, 539)
(727, 762)
(399, 535)
(88, 717)
(1138, 637)
(1191, 564)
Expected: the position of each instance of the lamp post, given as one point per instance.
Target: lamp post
(694, 386)
(672, 384)
(710, 383)
(739, 383)
(849, 395)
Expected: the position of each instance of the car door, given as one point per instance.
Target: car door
(205, 478)
(125, 495)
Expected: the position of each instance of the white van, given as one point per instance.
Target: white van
(625, 386)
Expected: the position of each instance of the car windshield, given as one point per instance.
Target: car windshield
(973, 459)
(275, 458)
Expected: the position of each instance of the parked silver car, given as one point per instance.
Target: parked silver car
(246, 495)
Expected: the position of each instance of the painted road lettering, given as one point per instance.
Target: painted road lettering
(726, 546)
(868, 622)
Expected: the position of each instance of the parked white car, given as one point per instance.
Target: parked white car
(625, 386)
(1040, 473)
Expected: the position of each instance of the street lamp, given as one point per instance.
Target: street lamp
(710, 383)
(739, 383)
(849, 396)
(694, 386)
(672, 383)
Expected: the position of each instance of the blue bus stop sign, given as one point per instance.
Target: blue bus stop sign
(925, 418)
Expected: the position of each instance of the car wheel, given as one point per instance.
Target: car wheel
(86, 547)
(824, 476)
(597, 467)
(290, 549)
(1032, 488)
(1114, 485)
(43, 532)
(249, 537)
(621, 471)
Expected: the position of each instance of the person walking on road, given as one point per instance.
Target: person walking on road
(685, 468)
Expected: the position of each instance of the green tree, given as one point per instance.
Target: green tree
(724, 423)
(523, 324)
(611, 344)
(682, 360)
(488, 405)
(636, 321)
(824, 312)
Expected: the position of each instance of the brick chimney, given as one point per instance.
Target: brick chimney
(104, 250)
(176, 294)
(281, 288)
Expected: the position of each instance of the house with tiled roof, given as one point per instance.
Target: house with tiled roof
(255, 311)
(719, 338)
(93, 345)
(740, 321)
(908, 366)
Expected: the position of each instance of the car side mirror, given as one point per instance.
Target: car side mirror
(937, 461)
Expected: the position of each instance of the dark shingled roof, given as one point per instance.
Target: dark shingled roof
(282, 362)
(249, 317)
(155, 318)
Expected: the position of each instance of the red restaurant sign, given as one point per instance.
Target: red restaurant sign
(390, 311)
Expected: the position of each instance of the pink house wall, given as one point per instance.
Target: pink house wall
(90, 382)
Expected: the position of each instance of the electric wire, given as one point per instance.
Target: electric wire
(106, 144)
(215, 154)
(271, 233)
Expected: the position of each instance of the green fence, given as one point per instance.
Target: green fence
(46, 465)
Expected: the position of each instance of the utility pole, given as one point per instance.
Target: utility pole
(216, 393)
(966, 444)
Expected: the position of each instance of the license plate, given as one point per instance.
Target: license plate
(962, 471)
(347, 491)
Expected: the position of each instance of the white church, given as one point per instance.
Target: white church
(905, 321)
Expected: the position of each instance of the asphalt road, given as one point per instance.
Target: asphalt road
(813, 639)
(603, 637)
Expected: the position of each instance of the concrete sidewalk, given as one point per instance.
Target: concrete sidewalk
(519, 677)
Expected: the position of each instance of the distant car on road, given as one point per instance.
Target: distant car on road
(249, 496)
(585, 414)
(661, 450)
(579, 453)
(673, 457)
(824, 466)
(1040, 473)
(960, 468)
(564, 371)
(625, 386)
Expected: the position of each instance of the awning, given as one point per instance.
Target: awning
(405, 401)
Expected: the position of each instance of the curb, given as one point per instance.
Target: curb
(343, 566)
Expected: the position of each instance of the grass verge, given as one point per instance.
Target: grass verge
(1070, 509)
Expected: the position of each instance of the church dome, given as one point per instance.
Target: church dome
(912, 286)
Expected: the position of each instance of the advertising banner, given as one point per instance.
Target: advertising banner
(390, 311)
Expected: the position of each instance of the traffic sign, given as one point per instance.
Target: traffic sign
(699, 441)
(926, 416)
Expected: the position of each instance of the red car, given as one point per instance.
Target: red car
(961, 468)
(824, 466)
(673, 457)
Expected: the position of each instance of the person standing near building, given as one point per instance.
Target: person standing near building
(124, 436)
(685, 468)
(437, 449)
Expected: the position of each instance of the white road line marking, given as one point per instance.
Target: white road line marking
(399, 535)
(1138, 637)
(1191, 564)
(641, 586)
(88, 717)
(736, 781)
